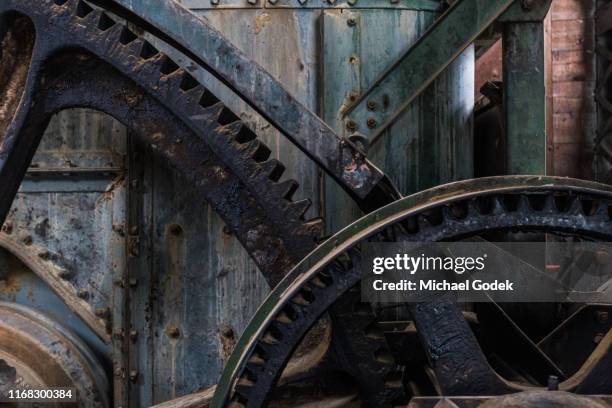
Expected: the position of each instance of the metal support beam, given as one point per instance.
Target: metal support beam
(207, 47)
(419, 66)
(407, 77)
(527, 111)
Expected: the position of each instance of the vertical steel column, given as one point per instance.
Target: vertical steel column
(528, 110)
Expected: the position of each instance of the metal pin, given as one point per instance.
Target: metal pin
(553, 383)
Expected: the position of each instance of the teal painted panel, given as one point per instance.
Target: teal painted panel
(431, 143)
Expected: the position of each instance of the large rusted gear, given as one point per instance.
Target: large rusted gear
(60, 54)
(516, 204)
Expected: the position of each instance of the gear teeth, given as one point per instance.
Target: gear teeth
(322, 281)
(602, 210)
(105, 22)
(236, 404)
(498, 207)
(549, 204)
(300, 207)
(575, 207)
(239, 132)
(82, 9)
(168, 66)
(127, 36)
(227, 116)
(423, 222)
(113, 34)
(273, 169)
(190, 98)
(286, 188)
(523, 204)
(283, 318)
(147, 51)
(270, 337)
(257, 151)
(188, 82)
(213, 112)
(208, 99)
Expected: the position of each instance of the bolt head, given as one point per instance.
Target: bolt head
(351, 125)
(352, 22)
(173, 332)
(372, 123)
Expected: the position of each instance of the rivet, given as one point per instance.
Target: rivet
(598, 338)
(214, 2)
(133, 375)
(134, 230)
(372, 123)
(351, 125)
(173, 332)
(27, 240)
(252, 2)
(352, 2)
(7, 227)
(64, 274)
(83, 293)
(352, 22)
(371, 105)
(43, 254)
(133, 335)
(133, 282)
(119, 334)
(103, 312)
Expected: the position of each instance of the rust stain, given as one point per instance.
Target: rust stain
(260, 22)
(10, 285)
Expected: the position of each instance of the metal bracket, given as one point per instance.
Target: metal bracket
(408, 76)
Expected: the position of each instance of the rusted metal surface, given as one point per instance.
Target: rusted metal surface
(264, 94)
(38, 352)
(451, 346)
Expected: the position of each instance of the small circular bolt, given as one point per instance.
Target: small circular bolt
(83, 293)
(27, 240)
(133, 282)
(352, 22)
(372, 123)
(133, 335)
(351, 125)
(598, 338)
(133, 376)
(371, 105)
(173, 332)
(7, 228)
